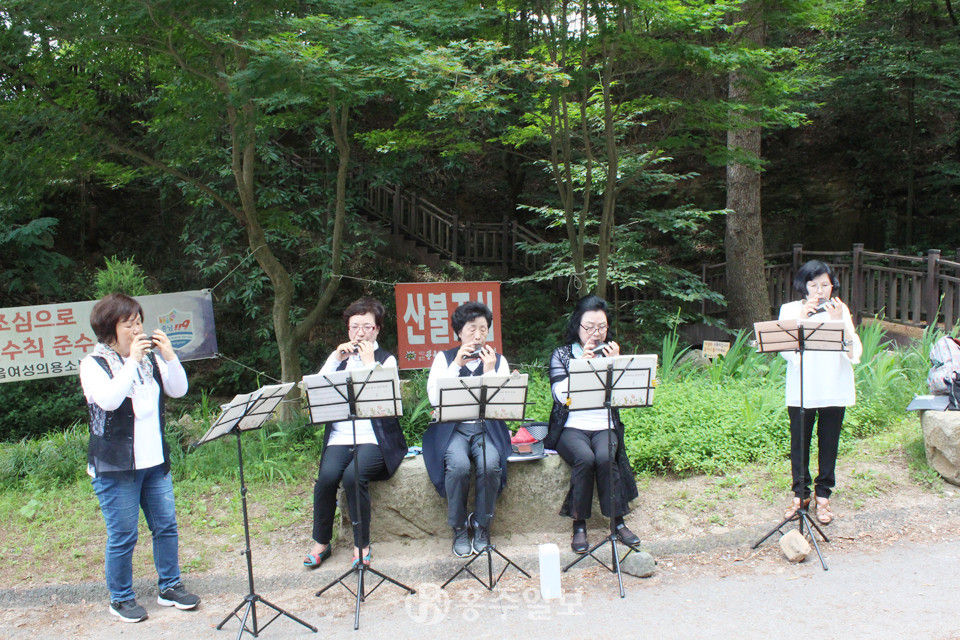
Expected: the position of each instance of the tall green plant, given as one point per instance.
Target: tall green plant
(123, 276)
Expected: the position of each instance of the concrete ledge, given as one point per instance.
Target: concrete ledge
(408, 507)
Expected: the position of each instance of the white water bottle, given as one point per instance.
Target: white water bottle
(550, 571)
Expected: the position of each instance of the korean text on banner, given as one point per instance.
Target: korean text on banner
(50, 340)
(423, 318)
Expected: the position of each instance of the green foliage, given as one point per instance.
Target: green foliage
(34, 408)
(123, 276)
(29, 267)
(697, 426)
(55, 460)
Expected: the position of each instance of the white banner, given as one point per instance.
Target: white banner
(46, 341)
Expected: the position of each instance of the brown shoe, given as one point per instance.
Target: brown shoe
(824, 515)
(796, 506)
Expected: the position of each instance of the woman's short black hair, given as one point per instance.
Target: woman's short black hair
(586, 303)
(362, 306)
(469, 311)
(109, 310)
(810, 270)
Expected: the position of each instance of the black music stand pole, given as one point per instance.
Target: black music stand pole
(779, 336)
(245, 413)
(360, 569)
(490, 548)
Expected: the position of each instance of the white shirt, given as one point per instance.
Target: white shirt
(342, 432)
(827, 375)
(586, 420)
(109, 393)
(440, 370)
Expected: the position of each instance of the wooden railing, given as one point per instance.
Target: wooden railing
(915, 290)
(464, 242)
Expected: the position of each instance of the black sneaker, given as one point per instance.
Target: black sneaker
(461, 542)
(481, 537)
(177, 596)
(128, 610)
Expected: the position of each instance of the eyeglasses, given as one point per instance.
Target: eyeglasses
(814, 286)
(474, 330)
(591, 328)
(366, 327)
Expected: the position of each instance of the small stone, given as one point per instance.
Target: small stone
(640, 564)
(795, 546)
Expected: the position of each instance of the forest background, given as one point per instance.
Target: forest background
(161, 146)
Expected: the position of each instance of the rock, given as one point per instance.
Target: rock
(941, 439)
(795, 546)
(696, 358)
(408, 507)
(640, 564)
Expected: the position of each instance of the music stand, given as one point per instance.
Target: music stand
(800, 335)
(369, 392)
(622, 382)
(245, 413)
(478, 398)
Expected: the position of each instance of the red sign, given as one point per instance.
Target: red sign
(423, 318)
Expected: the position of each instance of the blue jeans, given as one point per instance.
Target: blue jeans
(120, 502)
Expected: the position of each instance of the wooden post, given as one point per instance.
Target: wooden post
(454, 238)
(797, 261)
(856, 283)
(505, 245)
(703, 279)
(932, 298)
(396, 210)
(891, 312)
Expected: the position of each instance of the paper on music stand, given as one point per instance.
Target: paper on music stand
(774, 336)
(633, 385)
(247, 411)
(459, 397)
(376, 391)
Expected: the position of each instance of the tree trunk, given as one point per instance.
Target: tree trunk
(746, 288)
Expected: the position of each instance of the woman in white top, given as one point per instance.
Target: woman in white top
(828, 388)
(124, 381)
(582, 438)
(380, 442)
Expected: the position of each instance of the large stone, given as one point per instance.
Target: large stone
(408, 507)
(941, 439)
(794, 546)
(640, 564)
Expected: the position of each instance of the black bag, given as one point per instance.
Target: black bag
(953, 390)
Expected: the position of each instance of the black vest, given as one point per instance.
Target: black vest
(111, 432)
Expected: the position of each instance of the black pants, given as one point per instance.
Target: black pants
(337, 464)
(829, 420)
(463, 453)
(588, 454)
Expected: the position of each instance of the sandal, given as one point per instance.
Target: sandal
(824, 515)
(366, 560)
(796, 506)
(313, 560)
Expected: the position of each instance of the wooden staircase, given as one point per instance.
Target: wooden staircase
(420, 227)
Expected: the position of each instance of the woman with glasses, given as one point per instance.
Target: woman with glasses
(380, 442)
(828, 388)
(582, 438)
(450, 449)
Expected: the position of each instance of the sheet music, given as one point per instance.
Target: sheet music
(774, 336)
(633, 377)
(376, 390)
(506, 398)
(247, 411)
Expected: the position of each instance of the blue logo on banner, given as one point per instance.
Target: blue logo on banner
(178, 325)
